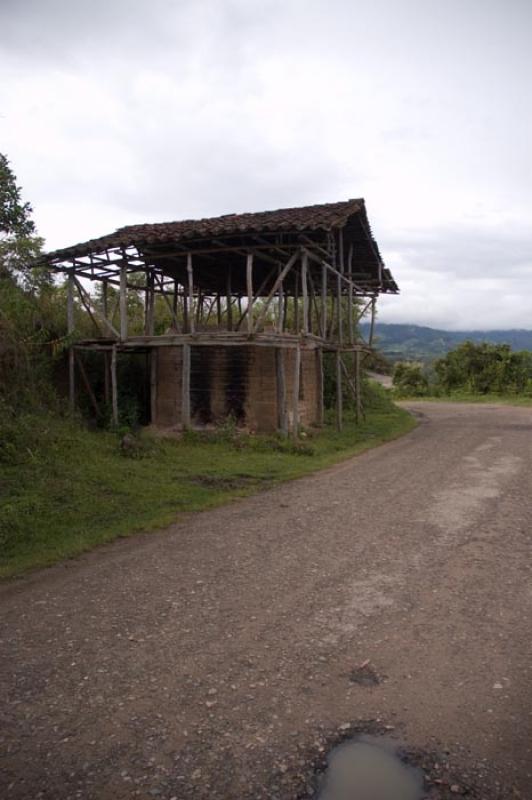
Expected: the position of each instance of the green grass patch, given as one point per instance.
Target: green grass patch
(65, 490)
(468, 397)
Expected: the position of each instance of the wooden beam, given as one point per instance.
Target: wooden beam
(372, 323)
(87, 385)
(358, 384)
(280, 278)
(185, 388)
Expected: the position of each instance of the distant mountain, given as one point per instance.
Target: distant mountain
(417, 343)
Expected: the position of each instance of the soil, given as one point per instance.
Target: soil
(216, 659)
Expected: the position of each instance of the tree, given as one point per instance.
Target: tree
(19, 243)
(409, 379)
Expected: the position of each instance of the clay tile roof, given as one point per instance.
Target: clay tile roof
(325, 216)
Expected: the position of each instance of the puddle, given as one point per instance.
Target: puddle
(368, 768)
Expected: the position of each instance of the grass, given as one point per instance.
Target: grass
(468, 397)
(65, 490)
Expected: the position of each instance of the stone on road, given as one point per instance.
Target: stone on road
(220, 657)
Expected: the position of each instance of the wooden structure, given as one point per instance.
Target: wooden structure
(255, 300)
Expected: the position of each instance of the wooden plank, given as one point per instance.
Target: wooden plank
(114, 386)
(185, 388)
(282, 420)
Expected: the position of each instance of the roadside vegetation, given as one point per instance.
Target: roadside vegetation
(66, 489)
(475, 372)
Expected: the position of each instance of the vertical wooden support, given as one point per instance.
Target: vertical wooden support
(296, 301)
(341, 250)
(249, 286)
(149, 321)
(339, 397)
(304, 291)
(282, 421)
(123, 302)
(70, 330)
(350, 295)
(185, 388)
(114, 386)
(358, 386)
(280, 307)
(190, 294)
(174, 301)
(153, 384)
(218, 311)
(324, 301)
(105, 298)
(339, 309)
(295, 393)
(319, 370)
(372, 323)
(229, 300)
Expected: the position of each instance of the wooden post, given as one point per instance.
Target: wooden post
(350, 294)
(324, 301)
(114, 388)
(295, 394)
(339, 306)
(174, 302)
(150, 304)
(296, 301)
(153, 385)
(105, 298)
(319, 369)
(339, 398)
(190, 293)
(358, 386)
(281, 391)
(249, 285)
(218, 311)
(185, 388)
(123, 302)
(372, 324)
(229, 300)
(70, 331)
(280, 307)
(304, 291)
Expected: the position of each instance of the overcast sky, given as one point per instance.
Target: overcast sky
(115, 112)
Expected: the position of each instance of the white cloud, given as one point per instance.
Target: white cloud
(126, 111)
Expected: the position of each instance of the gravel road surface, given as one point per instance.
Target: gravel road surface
(220, 658)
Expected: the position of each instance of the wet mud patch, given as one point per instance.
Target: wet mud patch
(365, 675)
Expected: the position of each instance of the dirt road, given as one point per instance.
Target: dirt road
(220, 658)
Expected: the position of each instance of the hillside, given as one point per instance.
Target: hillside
(415, 342)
